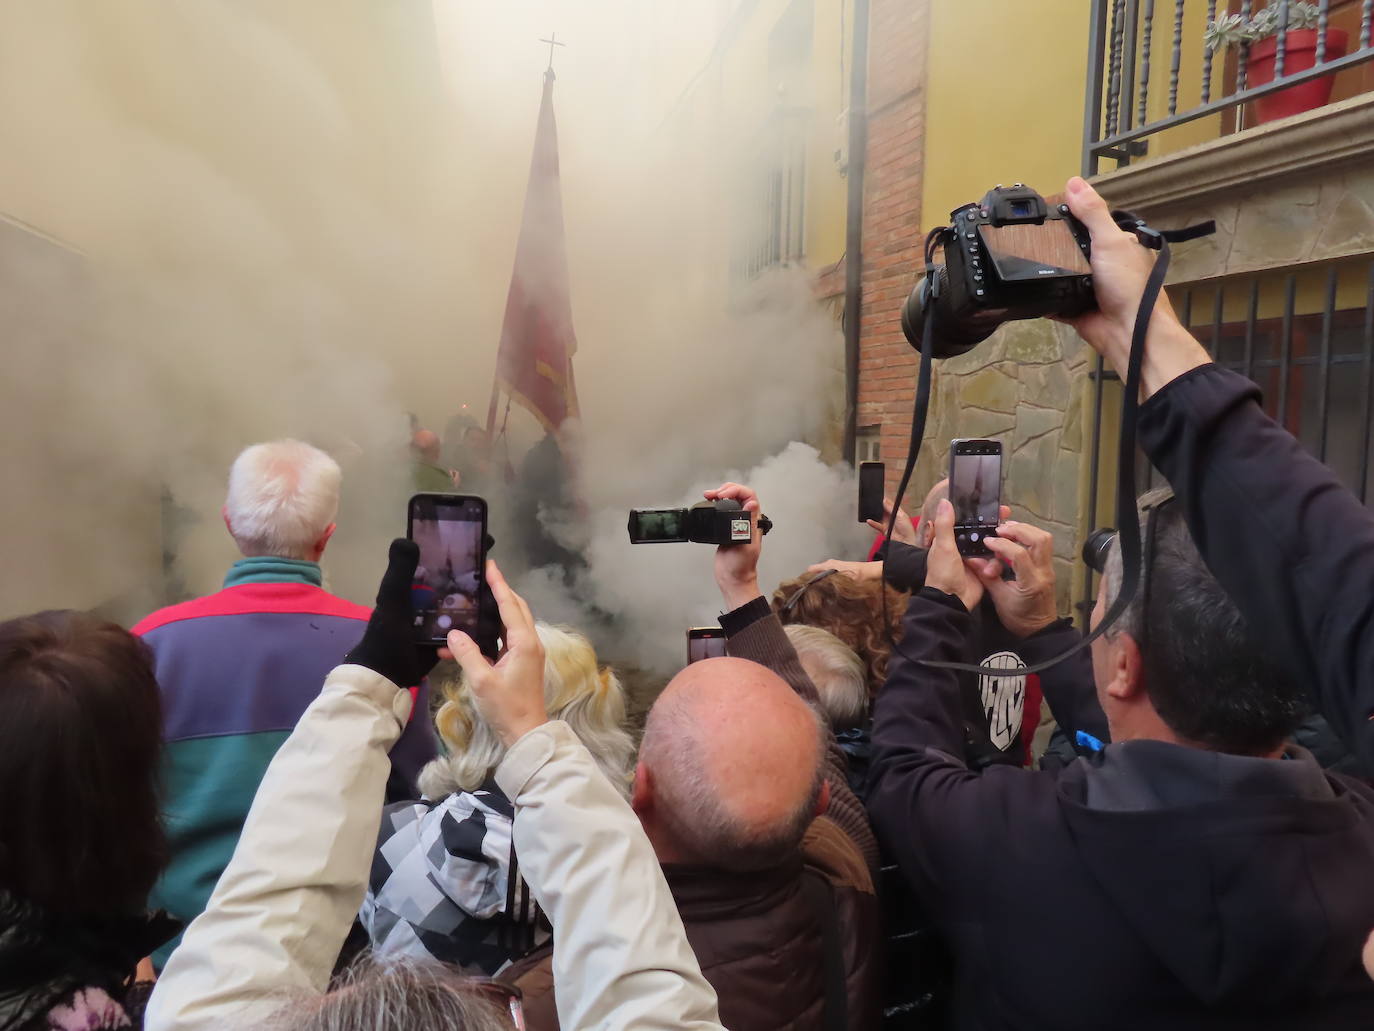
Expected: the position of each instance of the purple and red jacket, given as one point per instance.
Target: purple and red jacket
(237, 669)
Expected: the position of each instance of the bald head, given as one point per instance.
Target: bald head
(730, 765)
(937, 494)
(426, 444)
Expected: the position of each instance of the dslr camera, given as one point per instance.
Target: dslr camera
(1011, 256)
(719, 522)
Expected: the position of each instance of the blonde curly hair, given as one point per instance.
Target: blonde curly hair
(589, 699)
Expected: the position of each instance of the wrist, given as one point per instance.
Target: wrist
(739, 592)
(1170, 352)
(1031, 627)
(515, 731)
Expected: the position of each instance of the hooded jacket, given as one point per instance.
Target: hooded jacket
(1153, 886)
(445, 884)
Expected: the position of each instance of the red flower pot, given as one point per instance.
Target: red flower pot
(1300, 54)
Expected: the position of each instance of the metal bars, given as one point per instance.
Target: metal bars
(1281, 40)
(1306, 337)
(1123, 32)
(1207, 54)
(1176, 57)
(1243, 59)
(1368, 393)
(1114, 79)
(1142, 113)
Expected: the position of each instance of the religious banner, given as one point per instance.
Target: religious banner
(534, 365)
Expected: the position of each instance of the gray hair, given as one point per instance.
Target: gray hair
(589, 699)
(692, 807)
(282, 497)
(836, 670)
(404, 995)
(1208, 679)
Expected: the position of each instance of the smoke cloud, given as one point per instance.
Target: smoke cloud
(230, 222)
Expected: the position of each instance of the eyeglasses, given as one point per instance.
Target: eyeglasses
(791, 602)
(507, 996)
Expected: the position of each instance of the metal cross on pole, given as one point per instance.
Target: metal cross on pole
(552, 41)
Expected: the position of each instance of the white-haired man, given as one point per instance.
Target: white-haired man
(238, 667)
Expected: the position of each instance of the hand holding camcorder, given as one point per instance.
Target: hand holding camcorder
(720, 520)
(737, 563)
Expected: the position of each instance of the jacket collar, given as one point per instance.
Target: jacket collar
(1137, 776)
(708, 892)
(266, 569)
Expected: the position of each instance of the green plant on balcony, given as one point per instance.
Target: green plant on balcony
(1259, 36)
(1234, 29)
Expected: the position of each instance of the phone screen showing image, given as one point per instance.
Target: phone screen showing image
(446, 591)
(975, 491)
(705, 642)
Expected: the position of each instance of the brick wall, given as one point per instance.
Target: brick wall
(892, 234)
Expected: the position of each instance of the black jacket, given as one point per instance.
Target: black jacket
(1152, 886)
(996, 709)
(1292, 547)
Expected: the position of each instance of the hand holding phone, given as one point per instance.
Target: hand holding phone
(975, 491)
(872, 476)
(448, 590)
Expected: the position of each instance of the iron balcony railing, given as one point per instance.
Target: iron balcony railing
(1130, 97)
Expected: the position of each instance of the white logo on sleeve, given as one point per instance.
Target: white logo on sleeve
(1004, 699)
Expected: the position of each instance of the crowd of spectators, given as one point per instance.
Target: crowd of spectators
(240, 813)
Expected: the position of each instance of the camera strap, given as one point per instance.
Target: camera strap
(1127, 518)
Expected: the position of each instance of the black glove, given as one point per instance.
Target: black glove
(388, 646)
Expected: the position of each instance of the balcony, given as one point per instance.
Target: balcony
(1164, 77)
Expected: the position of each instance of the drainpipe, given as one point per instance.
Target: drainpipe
(853, 268)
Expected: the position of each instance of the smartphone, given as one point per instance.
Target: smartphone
(705, 642)
(449, 588)
(975, 491)
(872, 477)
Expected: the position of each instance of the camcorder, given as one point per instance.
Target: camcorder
(719, 522)
(1011, 256)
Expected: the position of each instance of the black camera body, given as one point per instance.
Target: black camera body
(1010, 257)
(707, 522)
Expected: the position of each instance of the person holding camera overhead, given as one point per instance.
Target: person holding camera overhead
(1198, 871)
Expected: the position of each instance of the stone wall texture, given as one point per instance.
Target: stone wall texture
(1319, 218)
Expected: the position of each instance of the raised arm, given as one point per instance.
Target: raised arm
(753, 632)
(929, 809)
(1293, 548)
(622, 959)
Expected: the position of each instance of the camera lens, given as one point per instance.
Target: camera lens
(953, 335)
(1096, 549)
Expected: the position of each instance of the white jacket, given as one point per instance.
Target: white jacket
(279, 915)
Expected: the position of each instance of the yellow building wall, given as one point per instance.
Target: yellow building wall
(1007, 106)
(1005, 99)
(827, 189)
(747, 97)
